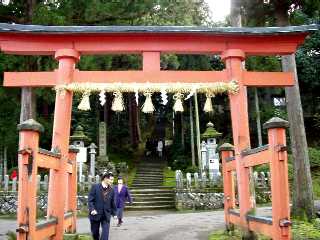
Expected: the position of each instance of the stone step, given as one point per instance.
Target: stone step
(138, 184)
(152, 203)
(149, 172)
(154, 199)
(146, 208)
(156, 192)
(148, 175)
(149, 179)
(149, 169)
(151, 189)
(146, 163)
(158, 182)
(153, 196)
(146, 185)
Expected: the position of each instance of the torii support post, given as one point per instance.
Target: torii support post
(28, 169)
(227, 157)
(279, 178)
(71, 202)
(240, 130)
(60, 139)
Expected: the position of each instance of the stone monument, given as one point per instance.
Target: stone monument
(210, 135)
(79, 140)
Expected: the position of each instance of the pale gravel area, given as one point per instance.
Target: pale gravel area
(154, 225)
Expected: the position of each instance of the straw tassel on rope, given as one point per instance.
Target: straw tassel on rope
(85, 101)
(208, 108)
(178, 107)
(117, 103)
(148, 107)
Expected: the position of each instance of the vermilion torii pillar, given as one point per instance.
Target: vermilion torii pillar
(68, 43)
(240, 127)
(57, 196)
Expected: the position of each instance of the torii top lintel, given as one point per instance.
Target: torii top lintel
(46, 40)
(150, 41)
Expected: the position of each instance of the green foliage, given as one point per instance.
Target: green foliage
(302, 230)
(231, 235)
(11, 235)
(192, 169)
(169, 179)
(314, 157)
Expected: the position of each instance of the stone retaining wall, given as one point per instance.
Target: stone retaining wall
(186, 199)
(9, 203)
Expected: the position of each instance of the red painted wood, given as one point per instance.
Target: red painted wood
(44, 44)
(240, 130)
(60, 139)
(279, 183)
(48, 79)
(257, 159)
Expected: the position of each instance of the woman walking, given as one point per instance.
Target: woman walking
(122, 196)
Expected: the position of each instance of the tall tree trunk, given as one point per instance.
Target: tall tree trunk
(235, 14)
(303, 201)
(28, 98)
(196, 112)
(133, 120)
(193, 160)
(105, 119)
(182, 132)
(258, 117)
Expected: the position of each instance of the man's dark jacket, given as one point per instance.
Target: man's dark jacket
(96, 202)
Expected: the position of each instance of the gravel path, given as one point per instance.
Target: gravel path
(152, 226)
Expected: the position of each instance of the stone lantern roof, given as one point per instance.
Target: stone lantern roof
(79, 135)
(210, 132)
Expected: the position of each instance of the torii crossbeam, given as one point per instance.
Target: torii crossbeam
(68, 43)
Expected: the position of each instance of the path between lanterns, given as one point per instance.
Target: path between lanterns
(152, 225)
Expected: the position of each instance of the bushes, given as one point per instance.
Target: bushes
(314, 156)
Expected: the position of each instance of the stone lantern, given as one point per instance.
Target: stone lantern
(212, 160)
(79, 140)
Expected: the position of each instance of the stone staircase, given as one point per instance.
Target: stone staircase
(147, 190)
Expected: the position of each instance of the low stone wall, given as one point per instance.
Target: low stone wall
(198, 200)
(9, 203)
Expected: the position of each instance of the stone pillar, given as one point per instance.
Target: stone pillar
(6, 183)
(92, 153)
(204, 156)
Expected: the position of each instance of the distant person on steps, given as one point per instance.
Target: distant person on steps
(160, 148)
(122, 196)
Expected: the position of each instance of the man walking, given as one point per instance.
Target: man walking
(101, 203)
(122, 195)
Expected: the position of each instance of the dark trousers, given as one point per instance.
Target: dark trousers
(95, 227)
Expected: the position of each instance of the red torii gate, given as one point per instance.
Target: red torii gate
(66, 44)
